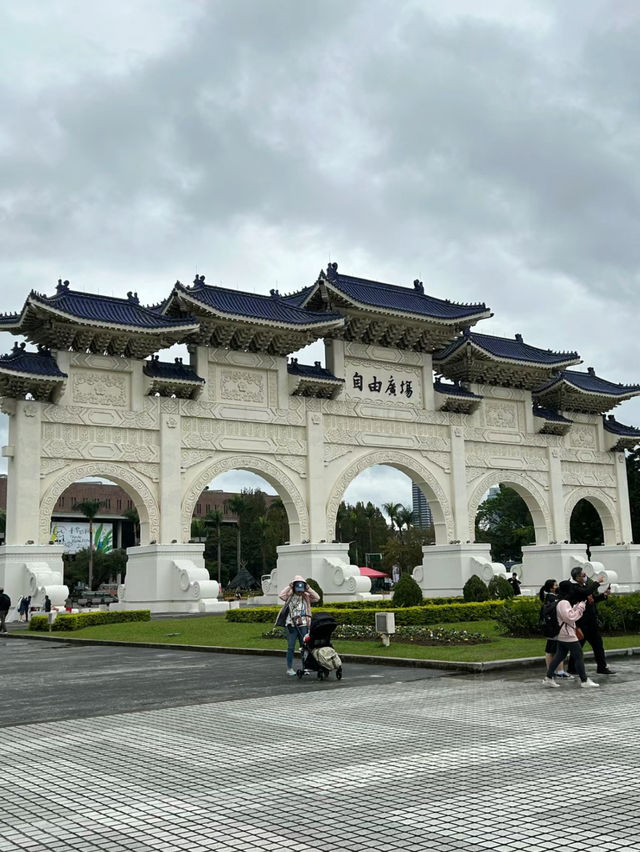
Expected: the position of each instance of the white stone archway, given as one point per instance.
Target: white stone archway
(603, 505)
(415, 470)
(123, 476)
(523, 485)
(294, 503)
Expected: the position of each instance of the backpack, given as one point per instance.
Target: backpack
(549, 619)
(328, 658)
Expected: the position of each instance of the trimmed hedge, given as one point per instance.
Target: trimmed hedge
(619, 614)
(387, 603)
(76, 621)
(475, 589)
(405, 615)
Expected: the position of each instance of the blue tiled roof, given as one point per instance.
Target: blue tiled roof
(403, 299)
(9, 319)
(300, 297)
(453, 390)
(549, 414)
(274, 308)
(589, 383)
(39, 363)
(512, 349)
(108, 310)
(309, 371)
(174, 371)
(612, 425)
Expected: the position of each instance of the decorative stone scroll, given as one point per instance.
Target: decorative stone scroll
(123, 475)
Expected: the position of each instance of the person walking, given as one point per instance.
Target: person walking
(515, 583)
(295, 615)
(567, 638)
(588, 590)
(5, 605)
(548, 594)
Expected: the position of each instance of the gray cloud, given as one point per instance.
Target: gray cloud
(492, 152)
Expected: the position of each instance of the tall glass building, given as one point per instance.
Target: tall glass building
(421, 508)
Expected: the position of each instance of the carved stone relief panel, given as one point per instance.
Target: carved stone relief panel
(575, 473)
(99, 442)
(248, 387)
(506, 456)
(199, 433)
(298, 464)
(100, 389)
(370, 352)
(583, 436)
(501, 415)
(110, 363)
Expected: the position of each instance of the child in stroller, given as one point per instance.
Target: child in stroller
(318, 654)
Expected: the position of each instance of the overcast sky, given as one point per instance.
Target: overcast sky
(491, 149)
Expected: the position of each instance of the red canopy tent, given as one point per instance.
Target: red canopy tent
(371, 572)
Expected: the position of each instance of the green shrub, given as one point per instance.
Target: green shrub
(388, 603)
(619, 614)
(316, 588)
(404, 615)
(407, 592)
(499, 588)
(76, 621)
(521, 617)
(475, 589)
(414, 635)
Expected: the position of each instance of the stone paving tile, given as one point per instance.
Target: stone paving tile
(467, 763)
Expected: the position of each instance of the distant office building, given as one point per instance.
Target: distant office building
(421, 508)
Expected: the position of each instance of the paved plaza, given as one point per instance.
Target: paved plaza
(232, 755)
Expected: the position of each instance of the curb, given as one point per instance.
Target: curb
(409, 662)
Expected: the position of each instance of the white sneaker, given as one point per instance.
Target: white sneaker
(291, 672)
(549, 682)
(588, 683)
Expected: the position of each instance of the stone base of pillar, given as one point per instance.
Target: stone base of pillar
(546, 561)
(623, 561)
(447, 567)
(168, 578)
(32, 569)
(327, 564)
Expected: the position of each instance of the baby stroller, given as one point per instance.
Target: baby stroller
(318, 654)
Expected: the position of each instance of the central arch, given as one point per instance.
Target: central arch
(294, 504)
(417, 472)
(123, 476)
(532, 496)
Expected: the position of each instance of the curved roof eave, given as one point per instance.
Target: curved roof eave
(160, 329)
(570, 358)
(218, 314)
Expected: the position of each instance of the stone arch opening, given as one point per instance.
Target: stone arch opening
(604, 508)
(138, 491)
(530, 494)
(418, 473)
(292, 499)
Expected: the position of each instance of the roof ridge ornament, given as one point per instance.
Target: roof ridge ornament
(332, 271)
(133, 298)
(18, 347)
(418, 286)
(63, 286)
(275, 294)
(518, 337)
(198, 281)
(591, 371)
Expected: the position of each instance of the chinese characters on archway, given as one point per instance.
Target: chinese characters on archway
(384, 385)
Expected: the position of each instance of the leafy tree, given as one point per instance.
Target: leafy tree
(316, 588)
(633, 478)
(106, 566)
(505, 522)
(364, 527)
(392, 510)
(585, 526)
(133, 516)
(89, 509)
(406, 552)
(211, 522)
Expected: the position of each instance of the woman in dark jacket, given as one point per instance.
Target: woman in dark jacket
(549, 593)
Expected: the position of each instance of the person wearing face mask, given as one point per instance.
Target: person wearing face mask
(295, 615)
(549, 593)
(585, 589)
(568, 614)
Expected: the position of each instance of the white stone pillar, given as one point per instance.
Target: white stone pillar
(283, 385)
(446, 568)
(170, 481)
(316, 496)
(334, 357)
(459, 500)
(428, 393)
(559, 531)
(23, 473)
(622, 489)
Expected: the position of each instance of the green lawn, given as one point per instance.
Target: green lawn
(214, 630)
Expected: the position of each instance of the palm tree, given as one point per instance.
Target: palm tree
(263, 525)
(370, 511)
(133, 516)
(238, 505)
(277, 508)
(213, 518)
(392, 510)
(405, 517)
(89, 509)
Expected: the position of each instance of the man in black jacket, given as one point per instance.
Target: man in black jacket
(589, 621)
(5, 604)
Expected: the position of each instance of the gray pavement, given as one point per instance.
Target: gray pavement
(143, 749)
